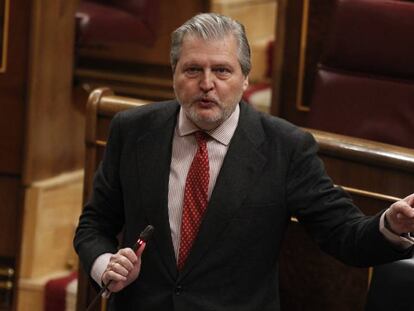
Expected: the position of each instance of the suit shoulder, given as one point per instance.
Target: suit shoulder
(148, 115)
(262, 127)
(281, 128)
(147, 110)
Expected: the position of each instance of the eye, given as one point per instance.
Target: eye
(192, 71)
(222, 72)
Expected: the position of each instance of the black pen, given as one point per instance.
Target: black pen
(144, 236)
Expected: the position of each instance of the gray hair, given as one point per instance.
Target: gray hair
(211, 26)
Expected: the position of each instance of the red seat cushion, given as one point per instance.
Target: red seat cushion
(55, 292)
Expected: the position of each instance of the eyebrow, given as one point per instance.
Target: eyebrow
(198, 64)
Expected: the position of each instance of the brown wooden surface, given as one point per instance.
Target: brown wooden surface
(9, 215)
(13, 80)
(290, 88)
(54, 129)
(40, 131)
(375, 175)
(312, 280)
(12, 89)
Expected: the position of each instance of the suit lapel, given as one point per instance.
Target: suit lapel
(153, 161)
(242, 165)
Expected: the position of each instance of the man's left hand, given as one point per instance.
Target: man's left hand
(400, 216)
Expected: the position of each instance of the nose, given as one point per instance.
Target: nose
(207, 81)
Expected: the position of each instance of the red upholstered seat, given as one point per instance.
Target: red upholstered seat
(364, 85)
(109, 21)
(55, 292)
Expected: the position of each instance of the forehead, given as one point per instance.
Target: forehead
(197, 48)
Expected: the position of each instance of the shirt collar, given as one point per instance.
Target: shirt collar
(223, 133)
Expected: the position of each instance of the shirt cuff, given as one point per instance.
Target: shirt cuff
(403, 242)
(99, 267)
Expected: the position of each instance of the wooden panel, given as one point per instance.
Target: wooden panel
(368, 177)
(30, 295)
(55, 127)
(40, 131)
(312, 280)
(51, 212)
(10, 193)
(142, 81)
(4, 32)
(9, 216)
(301, 29)
(13, 84)
(366, 165)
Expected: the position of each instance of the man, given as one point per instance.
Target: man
(218, 223)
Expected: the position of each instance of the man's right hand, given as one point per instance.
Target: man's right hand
(123, 268)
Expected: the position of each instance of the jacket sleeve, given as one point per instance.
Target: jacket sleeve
(102, 217)
(329, 214)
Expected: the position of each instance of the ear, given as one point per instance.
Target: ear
(245, 83)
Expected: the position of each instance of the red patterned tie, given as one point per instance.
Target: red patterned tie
(195, 197)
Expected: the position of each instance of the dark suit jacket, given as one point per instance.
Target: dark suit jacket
(271, 172)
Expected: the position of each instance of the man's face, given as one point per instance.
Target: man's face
(208, 80)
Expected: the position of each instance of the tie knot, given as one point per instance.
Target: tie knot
(201, 137)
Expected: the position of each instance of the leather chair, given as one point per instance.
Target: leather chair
(364, 83)
(103, 21)
(392, 287)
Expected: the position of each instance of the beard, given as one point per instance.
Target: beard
(217, 114)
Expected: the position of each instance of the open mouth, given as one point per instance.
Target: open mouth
(206, 102)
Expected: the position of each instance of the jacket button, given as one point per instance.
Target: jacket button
(178, 289)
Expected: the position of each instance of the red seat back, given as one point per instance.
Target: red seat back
(364, 85)
(107, 21)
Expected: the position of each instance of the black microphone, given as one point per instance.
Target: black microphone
(144, 236)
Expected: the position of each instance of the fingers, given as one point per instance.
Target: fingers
(403, 210)
(400, 216)
(126, 256)
(123, 261)
(409, 200)
(118, 268)
(120, 265)
(123, 268)
(111, 275)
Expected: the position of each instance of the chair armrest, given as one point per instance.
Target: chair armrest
(364, 150)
